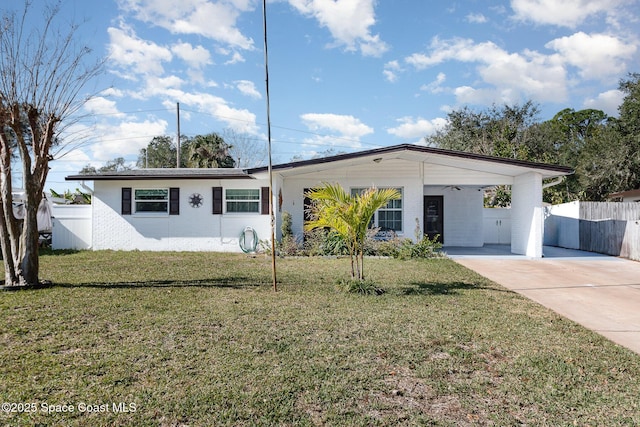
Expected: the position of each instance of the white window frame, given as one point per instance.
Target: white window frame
(375, 219)
(257, 201)
(158, 200)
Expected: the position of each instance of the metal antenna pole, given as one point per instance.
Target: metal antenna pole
(271, 210)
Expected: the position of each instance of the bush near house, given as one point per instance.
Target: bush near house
(322, 242)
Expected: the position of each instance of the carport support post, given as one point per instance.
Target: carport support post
(526, 215)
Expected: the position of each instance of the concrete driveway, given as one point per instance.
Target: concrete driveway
(600, 292)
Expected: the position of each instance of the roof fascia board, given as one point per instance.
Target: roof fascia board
(151, 177)
(562, 170)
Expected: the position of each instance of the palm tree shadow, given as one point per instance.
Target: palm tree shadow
(442, 288)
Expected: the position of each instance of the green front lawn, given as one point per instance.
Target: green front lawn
(200, 339)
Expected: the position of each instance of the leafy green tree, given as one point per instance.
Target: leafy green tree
(201, 151)
(607, 164)
(349, 216)
(630, 108)
(629, 127)
(115, 165)
(208, 151)
(497, 131)
(562, 140)
(159, 153)
(43, 75)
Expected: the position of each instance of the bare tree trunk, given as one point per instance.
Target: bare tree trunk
(42, 81)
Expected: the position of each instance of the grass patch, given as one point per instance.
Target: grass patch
(201, 339)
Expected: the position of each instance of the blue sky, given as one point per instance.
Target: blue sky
(344, 74)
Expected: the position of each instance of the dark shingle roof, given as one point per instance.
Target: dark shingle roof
(168, 173)
(418, 149)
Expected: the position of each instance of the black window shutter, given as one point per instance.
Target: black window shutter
(217, 201)
(174, 201)
(264, 199)
(126, 201)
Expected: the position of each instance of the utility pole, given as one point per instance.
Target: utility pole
(178, 137)
(271, 210)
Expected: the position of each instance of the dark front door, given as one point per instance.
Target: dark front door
(433, 217)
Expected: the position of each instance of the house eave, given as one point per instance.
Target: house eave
(409, 152)
(163, 174)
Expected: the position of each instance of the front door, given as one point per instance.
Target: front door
(433, 217)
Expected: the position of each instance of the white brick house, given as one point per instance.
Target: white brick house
(208, 209)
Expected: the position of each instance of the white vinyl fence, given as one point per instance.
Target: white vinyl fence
(71, 227)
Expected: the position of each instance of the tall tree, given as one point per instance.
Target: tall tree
(115, 165)
(208, 151)
(159, 153)
(497, 131)
(246, 150)
(43, 74)
(629, 126)
(607, 164)
(349, 216)
(564, 140)
(201, 151)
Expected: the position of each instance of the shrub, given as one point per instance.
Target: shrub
(321, 242)
(285, 227)
(356, 286)
(425, 248)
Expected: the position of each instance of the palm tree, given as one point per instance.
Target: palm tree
(209, 151)
(349, 216)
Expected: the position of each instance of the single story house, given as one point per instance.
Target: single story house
(625, 196)
(208, 209)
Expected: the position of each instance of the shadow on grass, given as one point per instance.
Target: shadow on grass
(57, 252)
(234, 283)
(441, 288)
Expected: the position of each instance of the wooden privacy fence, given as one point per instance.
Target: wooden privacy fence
(610, 228)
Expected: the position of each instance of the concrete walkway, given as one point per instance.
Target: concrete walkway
(600, 292)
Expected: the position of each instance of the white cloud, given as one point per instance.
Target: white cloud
(608, 102)
(113, 92)
(597, 56)
(348, 21)
(235, 58)
(135, 55)
(197, 57)
(102, 106)
(476, 18)
(436, 85)
(511, 75)
(241, 120)
(248, 88)
(214, 20)
(347, 126)
(391, 70)
(126, 138)
(416, 127)
(566, 13)
(390, 76)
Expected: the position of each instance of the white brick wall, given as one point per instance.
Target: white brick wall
(293, 198)
(195, 229)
